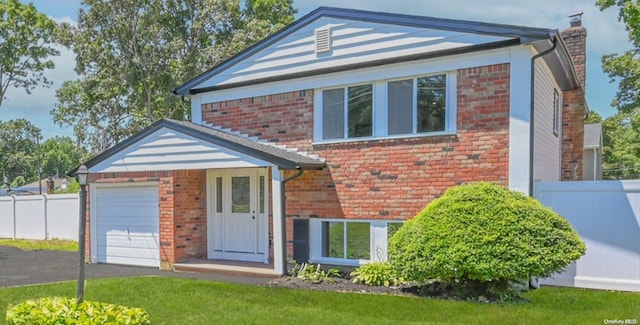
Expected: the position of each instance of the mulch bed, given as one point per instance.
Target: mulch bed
(342, 285)
(435, 290)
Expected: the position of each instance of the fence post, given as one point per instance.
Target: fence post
(45, 202)
(13, 212)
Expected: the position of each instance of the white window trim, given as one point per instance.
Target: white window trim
(380, 110)
(378, 241)
(556, 112)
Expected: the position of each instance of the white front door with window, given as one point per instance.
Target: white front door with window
(237, 214)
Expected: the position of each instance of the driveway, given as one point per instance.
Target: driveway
(19, 268)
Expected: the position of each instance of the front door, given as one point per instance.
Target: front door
(240, 220)
(237, 214)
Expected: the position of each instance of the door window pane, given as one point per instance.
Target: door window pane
(400, 107)
(358, 240)
(333, 114)
(219, 194)
(431, 103)
(360, 111)
(240, 194)
(261, 194)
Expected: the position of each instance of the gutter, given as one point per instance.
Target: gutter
(283, 203)
(533, 282)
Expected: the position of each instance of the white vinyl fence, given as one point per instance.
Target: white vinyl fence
(606, 214)
(39, 216)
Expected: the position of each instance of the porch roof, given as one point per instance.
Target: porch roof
(133, 153)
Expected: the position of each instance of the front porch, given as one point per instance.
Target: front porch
(220, 197)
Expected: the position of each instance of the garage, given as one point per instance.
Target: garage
(126, 224)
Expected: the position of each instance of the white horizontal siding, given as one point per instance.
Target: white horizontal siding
(166, 149)
(546, 150)
(352, 42)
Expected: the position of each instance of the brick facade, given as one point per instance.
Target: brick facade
(386, 178)
(574, 107)
(182, 211)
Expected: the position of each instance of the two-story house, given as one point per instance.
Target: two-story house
(318, 141)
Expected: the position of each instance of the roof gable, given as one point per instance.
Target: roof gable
(176, 145)
(359, 38)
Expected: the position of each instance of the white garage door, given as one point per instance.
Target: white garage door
(127, 227)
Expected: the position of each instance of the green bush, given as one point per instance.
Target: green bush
(58, 310)
(313, 273)
(376, 274)
(483, 237)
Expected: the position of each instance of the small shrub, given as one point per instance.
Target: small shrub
(376, 274)
(314, 274)
(483, 237)
(58, 310)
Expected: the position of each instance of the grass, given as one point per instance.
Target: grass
(52, 244)
(188, 301)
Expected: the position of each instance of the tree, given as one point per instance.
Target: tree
(19, 146)
(621, 146)
(593, 117)
(622, 131)
(25, 46)
(625, 67)
(132, 53)
(480, 238)
(60, 155)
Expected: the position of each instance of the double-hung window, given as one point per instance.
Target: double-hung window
(417, 105)
(347, 112)
(387, 108)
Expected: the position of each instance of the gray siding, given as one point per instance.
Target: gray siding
(352, 42)
(547, 150)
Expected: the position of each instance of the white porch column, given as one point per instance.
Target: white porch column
(278, 236)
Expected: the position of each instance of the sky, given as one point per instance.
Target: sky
(605, 35)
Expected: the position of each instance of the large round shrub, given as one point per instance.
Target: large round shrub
(483, 235)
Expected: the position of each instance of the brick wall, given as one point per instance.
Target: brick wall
(190, 211)
(182, 211)
(574, 107)
(383, 179)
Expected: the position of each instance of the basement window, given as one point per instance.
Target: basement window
(349, 241)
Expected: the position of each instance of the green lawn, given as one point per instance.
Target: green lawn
(52, 244)
(187, 301)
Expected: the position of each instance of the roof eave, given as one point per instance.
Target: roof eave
(559, 62)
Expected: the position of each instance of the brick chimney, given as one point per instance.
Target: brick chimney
(574, 103)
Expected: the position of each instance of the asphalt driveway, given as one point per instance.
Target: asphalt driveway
(19, 268)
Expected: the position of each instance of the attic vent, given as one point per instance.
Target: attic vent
(323, 40)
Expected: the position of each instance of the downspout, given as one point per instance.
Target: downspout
(283, 203)
(532, 116)
(533, 282)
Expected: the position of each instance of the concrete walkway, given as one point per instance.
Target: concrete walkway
(19, 268)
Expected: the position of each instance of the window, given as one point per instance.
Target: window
(417, 105)
(401, 107)
(349, 241)
(219, 194)
(346, 240)
(556, 112)
(392, 227)
(351, 104)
